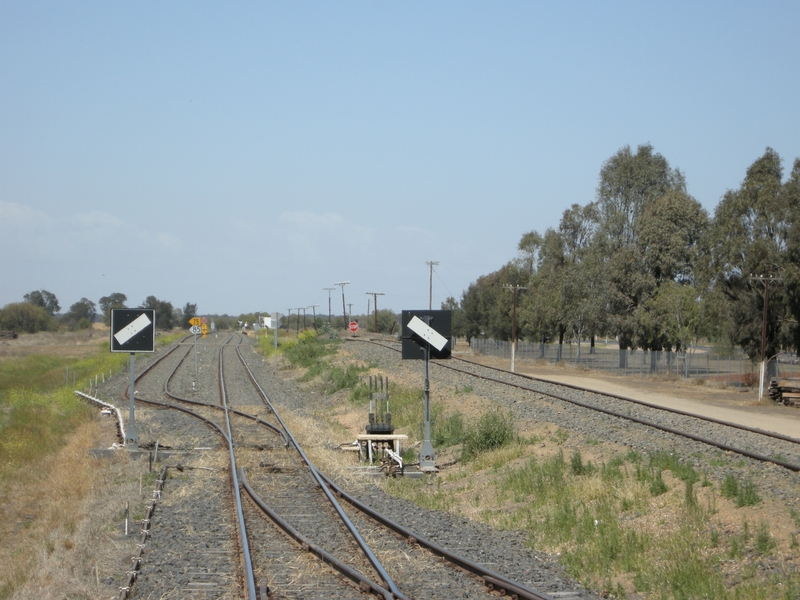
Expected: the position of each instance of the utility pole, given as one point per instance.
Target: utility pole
(375, 301)
(313, 308)
(514, 289)
(344, 308)
(297, 332)
(329, 290)
(765, 279)
(431, 263)
(288, 319)
(304, 318)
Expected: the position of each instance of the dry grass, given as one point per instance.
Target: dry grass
(60, 537)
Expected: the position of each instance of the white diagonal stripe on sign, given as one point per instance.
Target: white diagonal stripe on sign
(131, 329)
(427, 333)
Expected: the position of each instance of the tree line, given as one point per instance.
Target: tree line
(645, 264)
(39, 312)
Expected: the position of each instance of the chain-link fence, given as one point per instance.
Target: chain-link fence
(699, 363)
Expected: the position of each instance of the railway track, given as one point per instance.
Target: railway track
(222, 431)
(756, 444)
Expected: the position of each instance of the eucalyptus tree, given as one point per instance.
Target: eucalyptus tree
(487, 306)
(80, 315)
(47, 300)
(670, 233)
(630, 184)
(459, 317)
(542, 311)
(165, 313)
(750, 242)
(529, 248)
(791, 192)
(583, 284)
(110, 302)
(675, 316)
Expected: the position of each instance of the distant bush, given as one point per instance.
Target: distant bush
(24, 317)
(338, 378)
(307, 349)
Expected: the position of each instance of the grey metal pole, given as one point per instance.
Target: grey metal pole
(427, 456)
(194, 382)
(131, 438)
(275, 330)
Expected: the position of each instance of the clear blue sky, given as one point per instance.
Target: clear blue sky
(244, 157)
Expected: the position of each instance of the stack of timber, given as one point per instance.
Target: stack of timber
(8, 335)
(785, 391)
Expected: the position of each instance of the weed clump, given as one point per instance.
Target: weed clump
(743, 494)
(308, 349)
(493, 430)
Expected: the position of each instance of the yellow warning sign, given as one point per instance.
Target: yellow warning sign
(194, 321)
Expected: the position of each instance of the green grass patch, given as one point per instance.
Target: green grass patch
(37, 407)
(35, 372)
(308, 348)
(34, 424)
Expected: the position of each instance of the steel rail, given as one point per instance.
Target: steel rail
(755, 456)
(239, 413)
(363, 582)
(497, 580)
(248, 564)
(677, 411)
(376, 564)
(493, 581)
(209, 422)
(350, 573)
(157, 361)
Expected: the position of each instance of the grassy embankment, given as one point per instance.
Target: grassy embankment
(625, 523)
(39, 417)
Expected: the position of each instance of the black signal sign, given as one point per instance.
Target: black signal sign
(133, 330)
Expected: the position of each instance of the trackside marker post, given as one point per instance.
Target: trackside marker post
(419, 334)
(132, 331)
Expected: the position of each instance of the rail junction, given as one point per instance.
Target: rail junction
(240, 511)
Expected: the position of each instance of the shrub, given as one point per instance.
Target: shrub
(748, 495)
(337, 378)
(672, 462)
(307, 349)
(730, 487)
(24, 317)
(764, 542)
(577, 465)
(657, 485)
(449, 431)
(493, 430)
